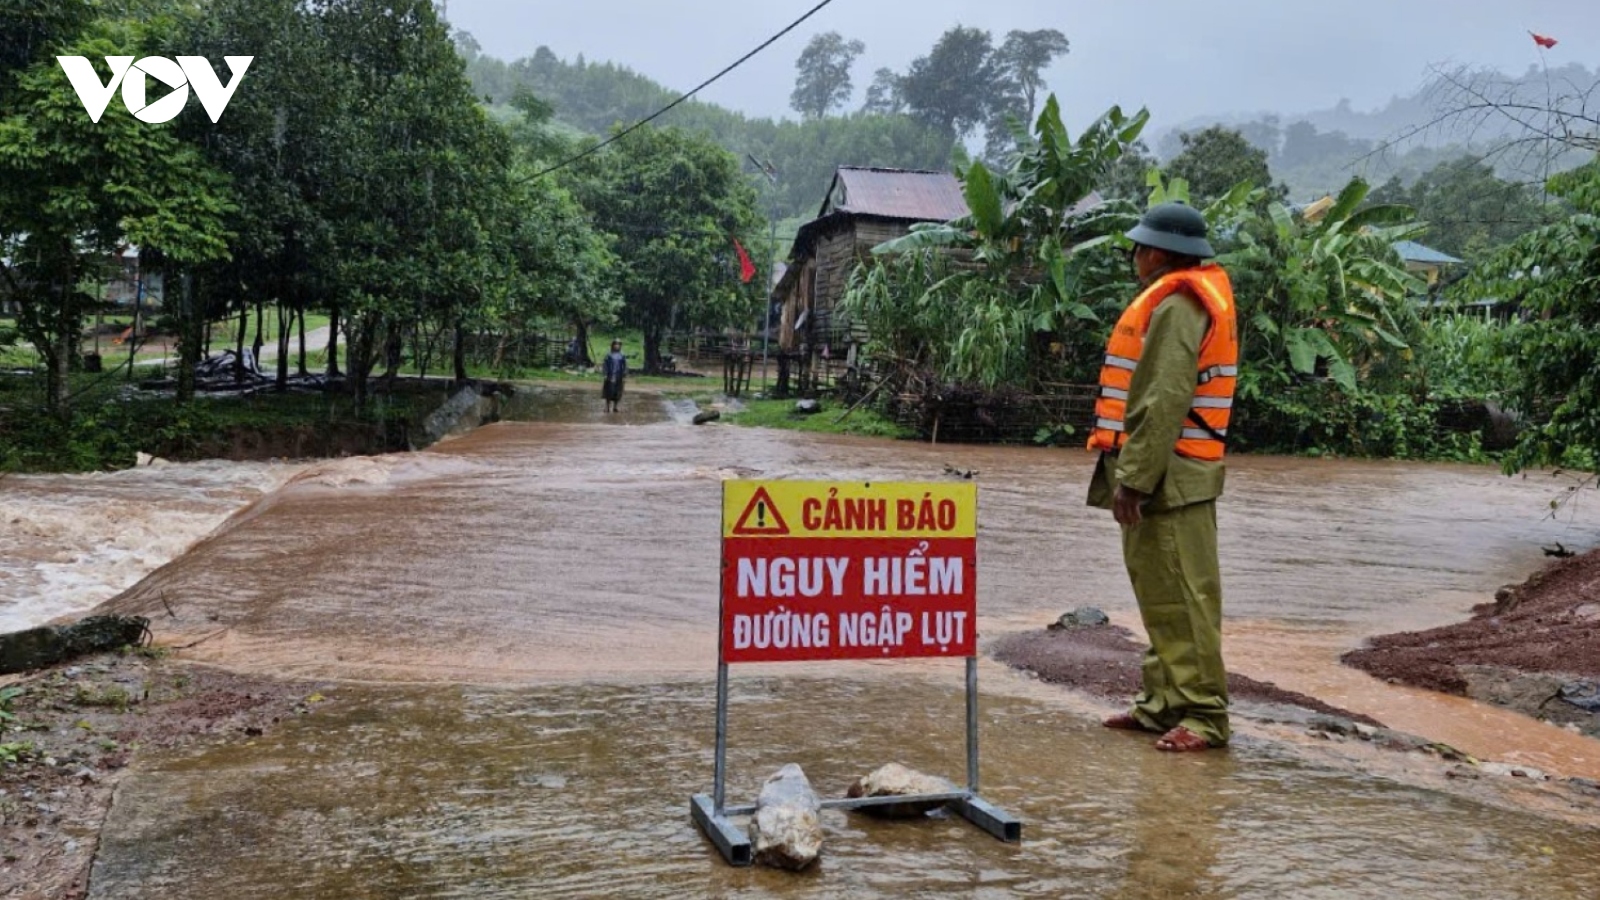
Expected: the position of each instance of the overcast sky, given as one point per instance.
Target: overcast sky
(1179, 57)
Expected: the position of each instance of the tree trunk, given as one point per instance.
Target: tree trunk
(300, 316)
(261, 319)
(652, 348)
(582, 337)
(362, 357)
(333, 343)
(284, 323)
(460, 354)
(192, 336)
(393, 351)
(238, 346)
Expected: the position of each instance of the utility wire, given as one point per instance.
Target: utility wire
(670, 106)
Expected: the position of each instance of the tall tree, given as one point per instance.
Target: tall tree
(78, 189)
(1552, 273)
(951, 86)
(823, 82)
(886, 95)
(1213, 161)
(415, 169)
(1469, 210)
(1022, 60)
(674, 202)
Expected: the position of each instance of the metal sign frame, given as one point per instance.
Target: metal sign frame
(714, 817)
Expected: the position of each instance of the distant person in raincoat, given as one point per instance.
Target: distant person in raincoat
(615, 369)
(1161, 422)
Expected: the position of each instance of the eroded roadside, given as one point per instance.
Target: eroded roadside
(69, 735)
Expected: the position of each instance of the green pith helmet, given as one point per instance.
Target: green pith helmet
(1174, 227)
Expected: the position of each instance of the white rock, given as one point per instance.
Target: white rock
(895, 780)
(786, 832)
(1529, 772)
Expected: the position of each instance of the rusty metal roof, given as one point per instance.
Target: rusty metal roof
(910, 195)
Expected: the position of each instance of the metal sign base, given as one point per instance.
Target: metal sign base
(714, 817)
(734, 845)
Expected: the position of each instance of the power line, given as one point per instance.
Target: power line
(670, 106)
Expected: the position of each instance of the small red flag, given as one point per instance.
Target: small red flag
(1541, 40)
(747, 269)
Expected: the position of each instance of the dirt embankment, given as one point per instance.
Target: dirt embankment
(1104, 660)
(1535, 649)
(259, 443)
(67, 734)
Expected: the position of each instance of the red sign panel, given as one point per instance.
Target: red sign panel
(817, 570)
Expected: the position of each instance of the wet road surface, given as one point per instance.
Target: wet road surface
(533, 607)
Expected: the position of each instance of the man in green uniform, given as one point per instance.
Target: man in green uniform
(1166, 501)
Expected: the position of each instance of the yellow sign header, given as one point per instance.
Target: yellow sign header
(827, 509)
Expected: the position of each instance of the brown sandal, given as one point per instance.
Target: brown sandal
(1125, 722)
(1182, 740)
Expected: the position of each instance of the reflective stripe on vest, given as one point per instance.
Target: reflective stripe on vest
(1216, 375)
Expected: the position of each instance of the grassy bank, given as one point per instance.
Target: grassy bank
(781, 414)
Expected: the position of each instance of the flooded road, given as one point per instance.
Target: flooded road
(551, 792)
(532, 609)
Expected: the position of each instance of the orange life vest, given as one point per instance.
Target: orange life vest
(1207, 424)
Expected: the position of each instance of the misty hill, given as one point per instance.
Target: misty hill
(596, 96)
(1316, 152)
(1313, 153)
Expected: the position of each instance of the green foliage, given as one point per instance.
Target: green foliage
(1214, 160)
(595, 97)
(76, 189)
(1039, 265)
(673, 203)
(781, 414)
(1469, 211)
(1553, 275)
(7, 695)
(823, 79)
(1328, 296)
(950, 88)
(1462, 355)
(1322, 419)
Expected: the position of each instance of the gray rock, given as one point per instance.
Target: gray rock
(895, 780)
(808, 407)
(1495, 768)
(1082, 617)
(1582, 694)
(1332, 725)
(786, 832)
(51, 644)
(709, 415)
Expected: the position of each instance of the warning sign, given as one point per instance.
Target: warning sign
(761, 517)
(825, 570)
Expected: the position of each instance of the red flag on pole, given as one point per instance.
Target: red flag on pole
(1541, 40)
(747, 269)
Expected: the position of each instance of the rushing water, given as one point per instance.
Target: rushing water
(533, 608)
(68, 542)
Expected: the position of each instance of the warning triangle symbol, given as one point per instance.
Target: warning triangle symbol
(761, 517)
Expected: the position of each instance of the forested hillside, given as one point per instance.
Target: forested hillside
(965, 88)
(1314, 153)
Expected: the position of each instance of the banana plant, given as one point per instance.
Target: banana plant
(1324, 291)
(1023, 270)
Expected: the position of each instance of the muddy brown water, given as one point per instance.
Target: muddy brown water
(523, 623)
